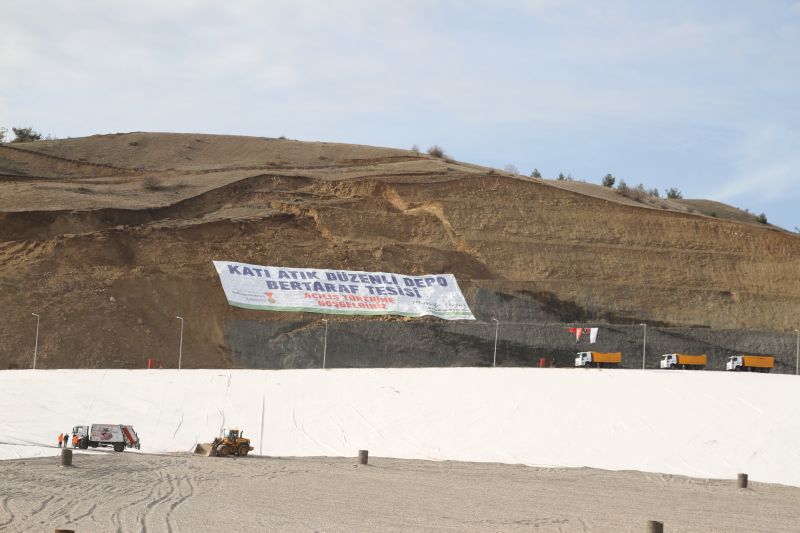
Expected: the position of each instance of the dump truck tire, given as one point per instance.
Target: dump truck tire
(119, 447)
(222, 450)
(243, 449)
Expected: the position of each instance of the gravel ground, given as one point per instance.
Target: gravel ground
(130, 492)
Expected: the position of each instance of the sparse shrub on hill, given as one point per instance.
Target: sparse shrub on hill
(25, 135)
(609, 180)
(511, 169)
(536, 174)
(561, 176)
(415, 148)
(151, 183)
(654, 193)
(3, 132)
(437, 151)
(634, 193)
(673, 193)
(762, 218)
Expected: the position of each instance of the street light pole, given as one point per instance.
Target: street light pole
(180, 346)
(644, 345)
(797, 364)
(496, 327)
(36, 344)
(325, 344)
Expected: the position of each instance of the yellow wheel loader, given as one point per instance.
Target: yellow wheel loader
(231, 442)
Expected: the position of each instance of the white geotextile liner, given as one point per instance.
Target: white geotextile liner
(695, 423)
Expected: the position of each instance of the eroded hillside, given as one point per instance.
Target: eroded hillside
(108, 238)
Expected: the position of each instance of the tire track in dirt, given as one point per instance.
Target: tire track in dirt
(6, 509)
(184, 496)
(117, 517)
(165, 489)
(173, 491)
(41, 507)
(87, 513)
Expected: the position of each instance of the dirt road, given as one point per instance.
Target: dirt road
(136, 492)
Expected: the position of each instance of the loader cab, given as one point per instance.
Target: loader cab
(231, 434)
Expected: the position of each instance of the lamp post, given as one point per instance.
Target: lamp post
(180, 346)
(644, 344)
(36, 344)
(496, 327)
(325, 343)
(797, 356)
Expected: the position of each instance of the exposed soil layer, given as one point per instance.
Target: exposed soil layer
(110, 237)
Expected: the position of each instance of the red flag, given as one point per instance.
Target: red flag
(577, 332)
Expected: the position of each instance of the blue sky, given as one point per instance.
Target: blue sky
(702, 96)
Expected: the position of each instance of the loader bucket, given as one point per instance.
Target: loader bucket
(204, 448)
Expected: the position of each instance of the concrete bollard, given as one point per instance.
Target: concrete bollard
(66, 457)
(363, 456)
(741, 481)
(655, 527)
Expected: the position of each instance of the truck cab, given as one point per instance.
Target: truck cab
(583, 358)
(734, 363)
(81, 432)
(669, 360)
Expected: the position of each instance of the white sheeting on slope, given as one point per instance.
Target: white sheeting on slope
(695, 423)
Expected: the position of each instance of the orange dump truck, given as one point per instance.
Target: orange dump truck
(751, 363)
(684, 361)
(598, 359)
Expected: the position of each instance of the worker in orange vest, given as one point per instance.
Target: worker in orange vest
(60, 439)
(75, 441)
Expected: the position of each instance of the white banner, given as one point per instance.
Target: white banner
(344, 292)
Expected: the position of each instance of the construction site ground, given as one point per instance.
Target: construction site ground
(137, 492)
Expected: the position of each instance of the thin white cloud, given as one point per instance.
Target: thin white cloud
(768, 166)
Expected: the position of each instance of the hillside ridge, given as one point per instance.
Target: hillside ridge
(114, 235)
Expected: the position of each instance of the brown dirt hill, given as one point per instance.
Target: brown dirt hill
(110, 237)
